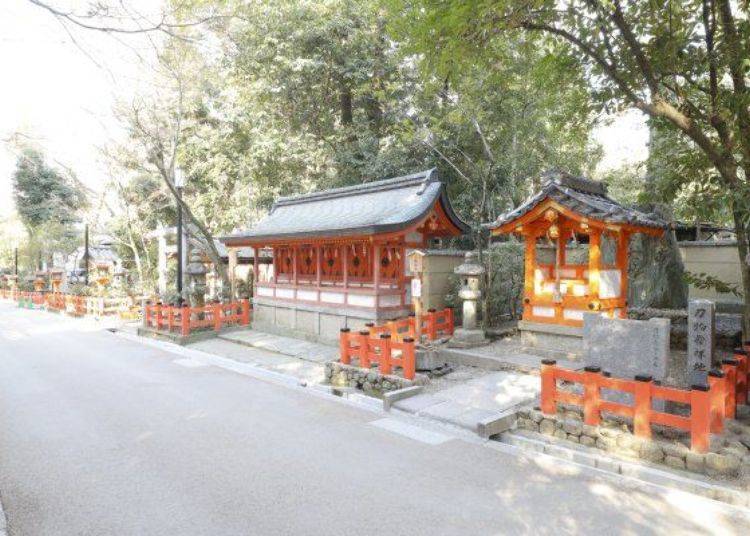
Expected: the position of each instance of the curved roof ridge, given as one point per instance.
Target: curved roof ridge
(425, 177)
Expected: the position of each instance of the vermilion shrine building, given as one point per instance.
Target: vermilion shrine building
(339, 256)
(568, 211)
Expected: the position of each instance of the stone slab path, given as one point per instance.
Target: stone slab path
(304, 370)
(501, 355)
(306, 350)
(467, 404)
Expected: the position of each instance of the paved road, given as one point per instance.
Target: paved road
(100, 436)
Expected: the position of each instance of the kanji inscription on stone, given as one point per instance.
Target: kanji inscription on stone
(701, 331)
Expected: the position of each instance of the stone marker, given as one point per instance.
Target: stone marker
(626, 348)
(701, 337)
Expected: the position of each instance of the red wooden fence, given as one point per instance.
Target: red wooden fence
(434, 325)
(185, 319)
(708, 404)
(388, 352)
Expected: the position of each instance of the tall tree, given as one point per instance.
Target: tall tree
(684, 64)
(42, 194)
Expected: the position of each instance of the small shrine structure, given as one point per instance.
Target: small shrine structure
(567, 212)
(339, 256)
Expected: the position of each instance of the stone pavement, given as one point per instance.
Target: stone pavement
(502, 354)
(481, 399)
(301, 349)
(300, 368)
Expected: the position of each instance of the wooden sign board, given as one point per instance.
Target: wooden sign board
(416, 288)
(416, 261)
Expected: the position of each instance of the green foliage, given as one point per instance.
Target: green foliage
(42, 194)
(708, 282)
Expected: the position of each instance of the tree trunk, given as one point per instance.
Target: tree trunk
(207, 237)
(741, 230)
(345, 103)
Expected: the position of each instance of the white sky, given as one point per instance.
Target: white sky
(52, 92)
(62, 99)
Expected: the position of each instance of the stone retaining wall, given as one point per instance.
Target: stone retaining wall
(369, 381)
(730, 457)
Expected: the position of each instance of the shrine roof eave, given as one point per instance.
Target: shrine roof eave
(368, 211)
(581, 200)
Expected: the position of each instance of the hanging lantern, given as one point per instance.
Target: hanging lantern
(554, 231)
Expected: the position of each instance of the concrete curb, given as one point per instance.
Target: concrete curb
(623, 468)
(3, 521)
(400, 394)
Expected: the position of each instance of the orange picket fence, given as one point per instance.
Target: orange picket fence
(30, 299)
(435, 324)
(709, 404)
(385, 350)
(9, 294)
(54, 301)
(185, 319)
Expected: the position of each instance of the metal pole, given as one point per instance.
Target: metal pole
(86, 254)
(179, 244)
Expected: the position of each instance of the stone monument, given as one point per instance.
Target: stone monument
(625, 348)
(701, 339)
(196, 273)
(468, 335)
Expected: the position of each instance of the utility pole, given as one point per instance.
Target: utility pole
(179, 183)
(86, 254)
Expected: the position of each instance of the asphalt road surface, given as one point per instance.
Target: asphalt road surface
(100, 435)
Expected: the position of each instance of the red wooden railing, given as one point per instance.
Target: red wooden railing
(185, 319)
(434, 325)
(709, 404)
(388, 352)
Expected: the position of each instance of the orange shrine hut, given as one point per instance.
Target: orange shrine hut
(567, 212)
(339, 256)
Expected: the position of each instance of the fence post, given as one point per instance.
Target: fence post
(216, 309)
(146, 308)
(408, 359)
(740, 355)
(245, 320)
(548, 386)
(157, 312)
(642, 406)
(432, 324)
(385, 353)
(449, 316)
(363, 339)
(716, 382)
(170, 317)
(729, 366)
(185, 320)
(700, 418)
(344, 356)
(591, 414)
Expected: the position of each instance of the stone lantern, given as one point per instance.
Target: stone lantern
(39, 282)
(470, 271)
(196, 272)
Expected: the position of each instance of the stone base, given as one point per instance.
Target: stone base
(617, 439)
(467, 338)
(314, 323)
(429, 359)
(176, 338)
(552, 340)
(368, 380)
